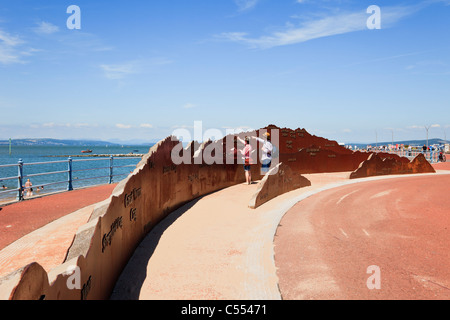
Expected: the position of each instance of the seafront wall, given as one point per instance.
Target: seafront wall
(102, 247)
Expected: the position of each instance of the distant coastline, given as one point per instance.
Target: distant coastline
(101, 143)
(57, 142)
(405, 142)
(118, 155)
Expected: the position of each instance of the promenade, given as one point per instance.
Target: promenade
(41, 229)
(212, 248)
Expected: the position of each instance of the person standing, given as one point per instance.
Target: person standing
(246, 153)
(28, 187)
(267, 150)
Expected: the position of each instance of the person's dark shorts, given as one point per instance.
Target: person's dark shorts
(246, 167)
(265, 166)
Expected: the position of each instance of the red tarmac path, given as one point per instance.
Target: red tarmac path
(20, 218)
(326, 243)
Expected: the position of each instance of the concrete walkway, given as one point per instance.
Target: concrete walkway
(212, 248)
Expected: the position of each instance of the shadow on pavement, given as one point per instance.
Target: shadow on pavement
(129, 284)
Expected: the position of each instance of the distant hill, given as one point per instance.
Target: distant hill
(54, 142)
(135, 142)
(406, 142)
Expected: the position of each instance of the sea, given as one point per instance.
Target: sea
(87, 169)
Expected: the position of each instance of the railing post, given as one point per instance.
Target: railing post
(70, 186)
(111, 159)
(20, 182)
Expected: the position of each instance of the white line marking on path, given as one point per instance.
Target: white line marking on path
(367, 234)
(342, 198)
(343, 233)
(381, 194)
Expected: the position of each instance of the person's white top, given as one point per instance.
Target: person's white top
(267, 149)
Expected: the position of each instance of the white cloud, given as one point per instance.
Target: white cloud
(189, 106)
(83, 125)
(9, 39)
(118, 71)
(244, 5)
(336, 24)
(123, 126)
(424, 127)
(146, 125)
(46, 28)
(13, 49)
(63, 125)
(311, 30)
(7, 56)
(9, 48)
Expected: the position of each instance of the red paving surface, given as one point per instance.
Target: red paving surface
(21, 218)
(326, 243)
(442, 165)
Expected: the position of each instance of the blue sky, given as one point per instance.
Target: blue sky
(141, 69)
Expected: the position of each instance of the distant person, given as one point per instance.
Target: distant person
(246, 152)
(28, 188)
(267, 150)
(4, 188)
(424, 149)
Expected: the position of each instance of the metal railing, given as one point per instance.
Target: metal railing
(431, 156)
(21, 177)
